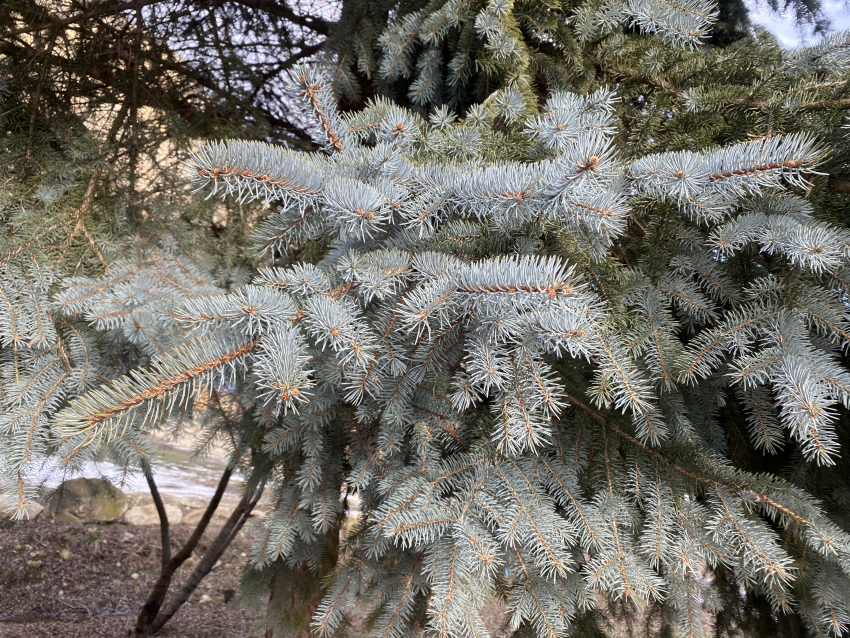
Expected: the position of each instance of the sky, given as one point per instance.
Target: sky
(783, 27)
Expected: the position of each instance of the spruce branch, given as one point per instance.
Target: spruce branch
(173, 379)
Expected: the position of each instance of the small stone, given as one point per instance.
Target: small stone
(92, 529)
(190, 562)
(217, 564)
(115, 581)
(18, 547)
(134, 576)
(205, 598)
(243, 555)
(35, 564)
(61, 593)
(118, 564)
(208, 586)
(33, 554)
(65, 554)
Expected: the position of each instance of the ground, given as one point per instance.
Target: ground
(94, 593)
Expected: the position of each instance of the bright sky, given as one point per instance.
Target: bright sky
(783, 27)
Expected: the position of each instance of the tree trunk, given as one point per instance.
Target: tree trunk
(155, 613)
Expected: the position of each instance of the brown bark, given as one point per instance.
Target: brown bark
(150, 612)
(225, 536)
(838, 184)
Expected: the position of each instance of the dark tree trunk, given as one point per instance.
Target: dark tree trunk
(156, 611)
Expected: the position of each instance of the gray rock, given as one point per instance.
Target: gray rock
(193, 517)
(139, 498)
(193, 502)
(147, 515)
(8, 507)
(145, 498)
(84, 500)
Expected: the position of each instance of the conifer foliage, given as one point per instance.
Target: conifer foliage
(541, 323)
(522, 414)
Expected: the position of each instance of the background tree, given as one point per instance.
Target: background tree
(93, 118)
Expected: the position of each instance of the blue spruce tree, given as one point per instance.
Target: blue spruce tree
(580, 350)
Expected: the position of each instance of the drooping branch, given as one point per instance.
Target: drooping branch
(279, 9)
(749, 102)
(98, 11)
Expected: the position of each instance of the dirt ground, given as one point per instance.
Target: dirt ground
(98, 589)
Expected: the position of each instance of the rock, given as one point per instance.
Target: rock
(65, 554)
(139, 498)
(84, 500)
(6, 506)
(147, 515)
(193, 502)
(190, 562)
(193, 517)
(9, 506)
(35, 564)
(134, 576)
(145, 498)
(205, 598)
